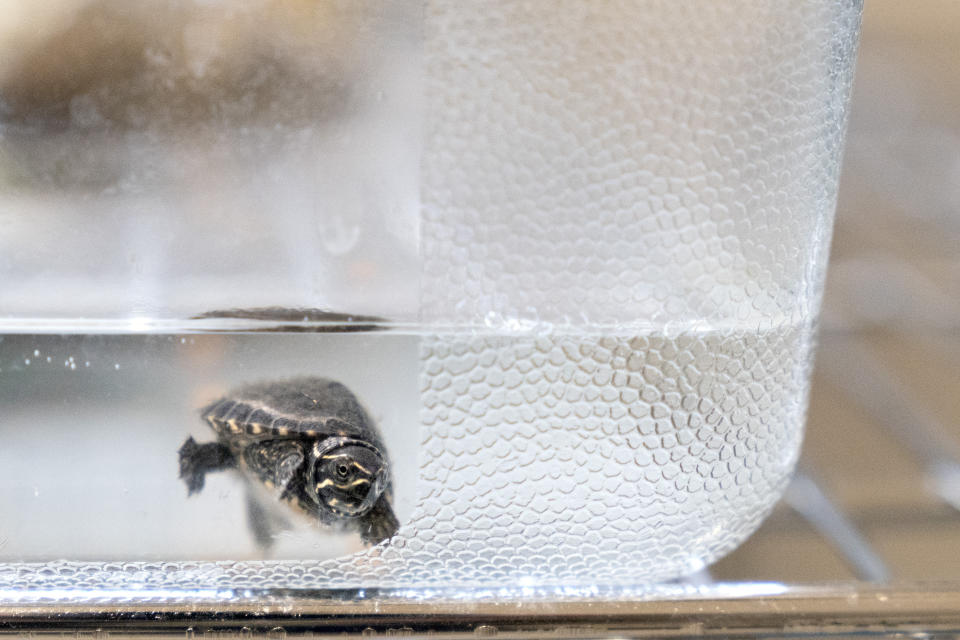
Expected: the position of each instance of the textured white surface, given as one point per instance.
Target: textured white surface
(631, 162)
(601, 460)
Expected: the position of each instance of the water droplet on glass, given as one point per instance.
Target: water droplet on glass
(338, 235)
(26, 361)
(116, 366)
(36, 352)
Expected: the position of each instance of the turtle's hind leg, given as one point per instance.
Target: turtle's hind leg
(198, 459)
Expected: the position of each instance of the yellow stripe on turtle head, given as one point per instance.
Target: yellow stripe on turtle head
(362, 468)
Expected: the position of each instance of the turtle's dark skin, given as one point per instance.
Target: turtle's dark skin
(308, 441)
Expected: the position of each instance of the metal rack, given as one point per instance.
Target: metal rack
(835, 612)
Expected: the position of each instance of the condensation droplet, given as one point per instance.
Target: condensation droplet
(338, 235)
(36, 352)
(26, 361)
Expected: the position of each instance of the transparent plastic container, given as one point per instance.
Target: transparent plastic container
(566, 257)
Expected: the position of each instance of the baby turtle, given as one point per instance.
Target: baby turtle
(310, 443)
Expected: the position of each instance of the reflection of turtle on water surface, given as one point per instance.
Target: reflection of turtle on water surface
(310, 443)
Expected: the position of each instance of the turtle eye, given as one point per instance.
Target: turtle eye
(342, 471)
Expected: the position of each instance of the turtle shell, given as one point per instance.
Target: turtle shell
(301, 408)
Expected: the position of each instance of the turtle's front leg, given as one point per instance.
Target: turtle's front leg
(198, 459)
(379, 523)
(264, 523)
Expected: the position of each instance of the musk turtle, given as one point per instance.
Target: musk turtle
(310, 443)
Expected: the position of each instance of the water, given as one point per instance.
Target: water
(94, 423)
(545, 458)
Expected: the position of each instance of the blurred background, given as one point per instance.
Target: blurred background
(878, 493)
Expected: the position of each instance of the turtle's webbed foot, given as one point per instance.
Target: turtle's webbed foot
(379, 523)
(197, 459)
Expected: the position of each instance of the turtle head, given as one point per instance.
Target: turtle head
(348, 475)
